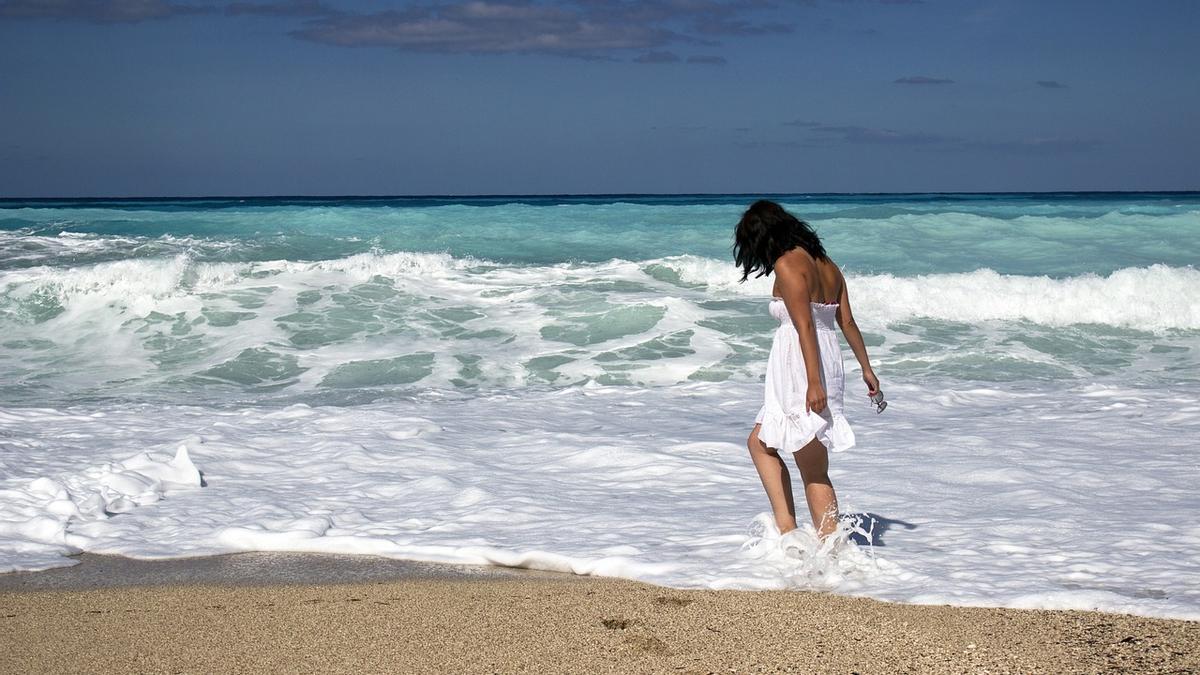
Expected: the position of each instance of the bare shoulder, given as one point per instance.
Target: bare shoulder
(833, 269)
(829, 269)
(796, 262)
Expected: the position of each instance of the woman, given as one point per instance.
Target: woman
(802, 407)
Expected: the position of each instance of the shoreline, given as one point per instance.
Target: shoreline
(252, 568)
(405, 617)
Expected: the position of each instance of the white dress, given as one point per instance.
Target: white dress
(786, 426)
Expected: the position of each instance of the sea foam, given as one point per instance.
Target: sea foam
(1157, 297)
(567, 384)
(428, 320)
(44, 519)
(1154, 298)
(961, 495)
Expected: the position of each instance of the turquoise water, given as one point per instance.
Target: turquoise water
(556, 382)
(351, 300)
(1050, 234)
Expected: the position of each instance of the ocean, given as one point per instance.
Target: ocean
(567, 383)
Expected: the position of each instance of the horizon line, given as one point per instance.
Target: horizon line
(550, 195)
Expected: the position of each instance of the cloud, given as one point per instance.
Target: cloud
(757, 145)
(823, 135)
(671, 57)
(581, 28)
(870, 2)
(723, 26)
(1051, 84)
(283, 8)
(922, 79)
(135, 11)
(657, 57)
(600, 29)
(1041, 145)
(653, 11)
(487, 27)
(97, 11)
(857, 134)
(829, 135)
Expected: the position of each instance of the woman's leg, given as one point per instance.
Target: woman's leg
(776, 481)
(813, 462)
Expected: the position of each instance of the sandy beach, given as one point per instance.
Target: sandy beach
(478, 621)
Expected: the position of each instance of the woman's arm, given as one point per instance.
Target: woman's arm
(845, 319)
(795, 271)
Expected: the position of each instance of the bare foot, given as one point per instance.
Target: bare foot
(785, 526)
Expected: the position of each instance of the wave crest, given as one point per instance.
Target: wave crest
(1155, 298)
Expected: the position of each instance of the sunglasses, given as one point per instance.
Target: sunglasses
(880, 404)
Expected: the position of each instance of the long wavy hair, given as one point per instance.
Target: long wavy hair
(765, 232)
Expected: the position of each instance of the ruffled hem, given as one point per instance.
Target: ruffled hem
(791, 431)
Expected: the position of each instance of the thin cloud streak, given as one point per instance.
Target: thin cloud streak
(722, 26)
(137, 11)
(99, 11)
(857, 134)
(823, 135)
(1042, 145)
(304, 8)
(922, 79)
(658, 57)
(672, 57)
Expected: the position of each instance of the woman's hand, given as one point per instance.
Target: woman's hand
(871, 380)
(815, 400)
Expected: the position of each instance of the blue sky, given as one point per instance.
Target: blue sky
(157, 98)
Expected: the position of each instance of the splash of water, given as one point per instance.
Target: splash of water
(807, 560)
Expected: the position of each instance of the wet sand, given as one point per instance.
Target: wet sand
(247, 569)
(448, 619)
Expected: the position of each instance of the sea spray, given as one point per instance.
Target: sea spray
(807, 560)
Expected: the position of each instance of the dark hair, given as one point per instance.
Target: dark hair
(765, 232)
